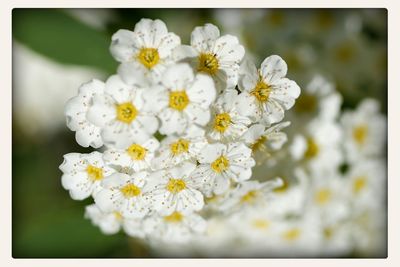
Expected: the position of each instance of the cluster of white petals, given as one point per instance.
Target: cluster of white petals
(193, 148)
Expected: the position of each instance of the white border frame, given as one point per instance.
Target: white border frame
(393, 7)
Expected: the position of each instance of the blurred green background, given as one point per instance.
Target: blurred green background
(55, 50)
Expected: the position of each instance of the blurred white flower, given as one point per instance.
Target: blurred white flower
(31, 83)
(364, 131)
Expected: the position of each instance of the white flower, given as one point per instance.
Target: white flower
(318, 98)
(215, 55)
(174, 190)
(174, 228)
(121, 115)
(127, 194)
(227, 123)
(366, 183)
(83, 173)
(111, 222)
(87, 134)
(364, 131)
(267, 92)
(264, 140)
(219, 164)
(318, 146)
(250, 193)
(184, 100)
(144, 52)
(137, 156)
(176, 149)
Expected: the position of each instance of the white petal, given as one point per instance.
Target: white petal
(203, 38)
(228, 50)
(211, 152)
(273, 68)
(178, 77)
(122, 47)
(202, 91)
(197, 114)
(102, 111)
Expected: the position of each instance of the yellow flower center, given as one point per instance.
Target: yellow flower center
(178, 100)
(149, 57)
(179, 147)
(126, 112)
(208, 63)
(283, 187)
(175, 217)
(261, 91)
(260, 224)
(328, 232)
(94, 173)
(130, 190)
(136, 152)
(359, 184)
(220, 164)
(259, 144)
(292, 234)
(323, 196)
(312, 149)
(306, 103)
(118, 216)
(249, 197)
(176, 185)
(222, 122)
(360, 133)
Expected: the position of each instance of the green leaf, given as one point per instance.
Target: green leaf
(55, 34)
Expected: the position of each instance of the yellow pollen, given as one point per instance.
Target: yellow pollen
(220, 164)
(222, 122)
(312, 149)
(260, 224)
(176, 185)
(179, 147)
(323, 196)
(360, 133)
(136, 152)
(208, 63)
(359, 184)
(126, 112)
(130, 190)
(259, 144)
(249, 197)
(178, 100)
(94, 173)
(175, 217)
(149, 57)
(306, 103)
(261, 91)
(118, 216)
(292, 234)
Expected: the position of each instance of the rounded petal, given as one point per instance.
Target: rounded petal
(273, 68)
(203, 38)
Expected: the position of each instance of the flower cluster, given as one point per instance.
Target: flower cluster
(180, 128)
(193, 146)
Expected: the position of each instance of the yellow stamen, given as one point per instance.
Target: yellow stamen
(260, 224)
(175, 217)
(312, 149)
(126, 112)
(130, 190)
(222, 122)
(261, 91)
(360, 134)
(136, 152)
(179, 147)
(208, 63)
(359, 184)
(94, 173)
(178, 100)
(292, 234)
(176, 185)
(220, 164)
(323, 196)
(149, 57)
(249, 197)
